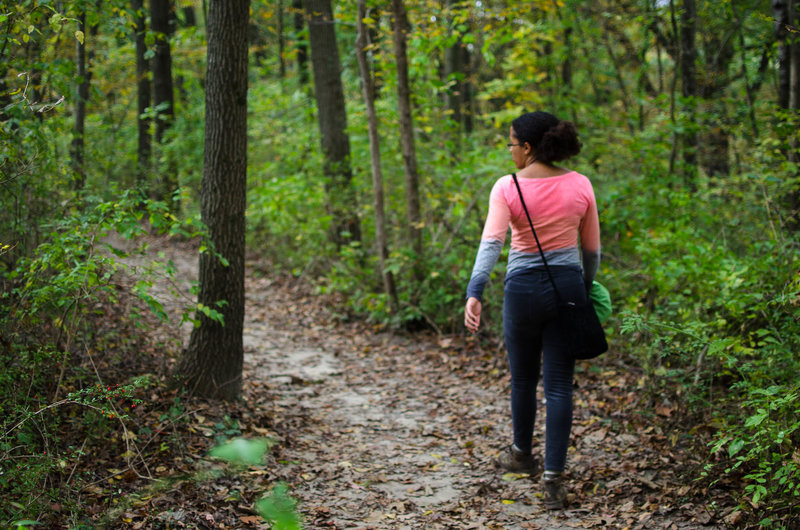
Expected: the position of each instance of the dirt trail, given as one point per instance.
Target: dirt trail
(376, 430)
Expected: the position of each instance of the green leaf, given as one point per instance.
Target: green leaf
(242, 451)
(756, 419)
(280, 509)
(735, 447)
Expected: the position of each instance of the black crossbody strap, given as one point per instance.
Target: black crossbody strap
(528, 215)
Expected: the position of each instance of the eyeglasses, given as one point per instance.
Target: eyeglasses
(512, 145)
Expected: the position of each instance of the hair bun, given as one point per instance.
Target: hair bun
(558, 143)
(552, 139)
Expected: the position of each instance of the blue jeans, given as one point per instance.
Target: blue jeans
(533, 342)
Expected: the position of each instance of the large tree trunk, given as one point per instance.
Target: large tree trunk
(163, 93)
(212, 364)
(81, 95)
(144, 147)
(407, 136)
(332, 119)
(381, 240)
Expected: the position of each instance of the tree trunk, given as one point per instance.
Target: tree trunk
(780, 14)
(794, 106)
(332, 119)
(407, 136)
(189, 17)
(456, 72)
(714, 138)
(748, 87)
(794, 54)
(163, 93)
(381, 242)
(188, 20)
(144, 148)
(212, 364)
(374, 36)
(302, 49)
(281, 59)
(688, 57)
(81, 95)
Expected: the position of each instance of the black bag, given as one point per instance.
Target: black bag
(578, 324)
(581, 330)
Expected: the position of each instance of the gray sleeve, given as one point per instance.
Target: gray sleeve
(488, 252)
(591, 263)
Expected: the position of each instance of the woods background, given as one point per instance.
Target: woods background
(368, 172)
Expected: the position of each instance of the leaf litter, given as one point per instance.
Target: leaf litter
(372, 430)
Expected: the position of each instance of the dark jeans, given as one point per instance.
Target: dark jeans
(532, 341)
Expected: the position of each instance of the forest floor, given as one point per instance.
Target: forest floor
(377, 430)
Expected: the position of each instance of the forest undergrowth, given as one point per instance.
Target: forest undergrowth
(367, 428)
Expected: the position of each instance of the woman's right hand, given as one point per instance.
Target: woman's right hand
(472, 314)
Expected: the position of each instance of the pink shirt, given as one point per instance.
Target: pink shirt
(560, 207)
(564, 213)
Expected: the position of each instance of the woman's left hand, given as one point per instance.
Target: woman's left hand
(472, 314)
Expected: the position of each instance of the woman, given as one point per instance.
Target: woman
(562, 207)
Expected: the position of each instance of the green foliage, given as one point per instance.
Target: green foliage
(280, 509)
(712, 301)
(702, 270)
(52, 302)
(763, 448)
(242, 451)
(277, 507)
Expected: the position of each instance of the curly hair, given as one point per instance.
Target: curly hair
(551, 139)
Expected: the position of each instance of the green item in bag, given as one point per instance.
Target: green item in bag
(601, 299)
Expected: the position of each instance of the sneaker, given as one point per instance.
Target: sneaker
(512, 459)
(555, 493)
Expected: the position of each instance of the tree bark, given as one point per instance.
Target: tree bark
(407, 137)
(144, 146)
(212, 364)
(163, 92)
(332, 118)
(381, 240)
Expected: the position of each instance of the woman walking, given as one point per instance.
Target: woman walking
(562, 207)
